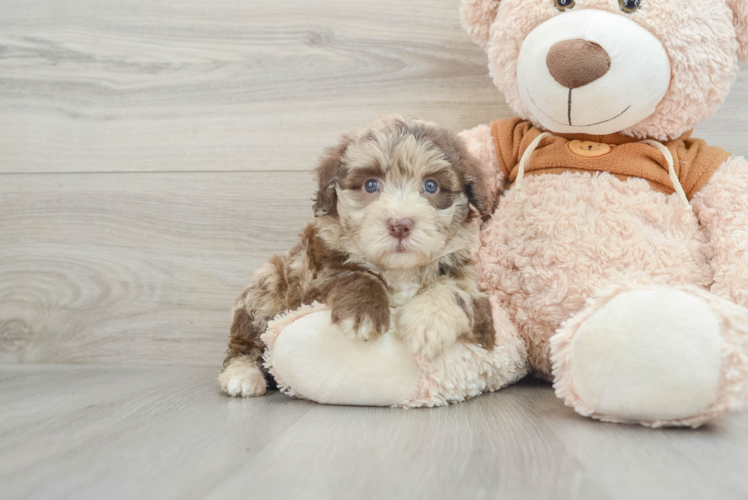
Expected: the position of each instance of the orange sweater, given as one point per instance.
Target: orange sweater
(695, 162)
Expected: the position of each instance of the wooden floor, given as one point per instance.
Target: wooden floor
(166, 432)
(152, 156)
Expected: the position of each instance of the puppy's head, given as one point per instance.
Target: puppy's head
(400, 192)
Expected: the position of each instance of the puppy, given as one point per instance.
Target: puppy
(389, 248)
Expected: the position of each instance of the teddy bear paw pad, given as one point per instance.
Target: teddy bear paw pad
(648, 355)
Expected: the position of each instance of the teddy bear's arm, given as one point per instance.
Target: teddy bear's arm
(480, 144)
(722, 209)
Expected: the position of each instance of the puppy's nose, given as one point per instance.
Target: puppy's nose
(575, 63)
(400, 228)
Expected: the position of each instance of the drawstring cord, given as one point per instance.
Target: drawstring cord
(673, 177)
(519, 190)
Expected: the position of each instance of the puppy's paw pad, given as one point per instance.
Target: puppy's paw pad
(242, 380)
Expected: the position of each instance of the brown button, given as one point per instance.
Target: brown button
(589, 149)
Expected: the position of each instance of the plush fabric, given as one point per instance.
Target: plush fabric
(708, 332)
(722, 210)
(590, 218)
(601, 105)
(477, 18)
(310, 358)
(740, 13)
(695, 162)
(703, 56)
(314, 360)
(572, 234)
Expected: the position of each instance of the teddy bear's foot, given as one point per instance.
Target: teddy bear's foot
(653, 355)
(313, 358)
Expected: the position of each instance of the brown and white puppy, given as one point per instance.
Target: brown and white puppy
(389, 248)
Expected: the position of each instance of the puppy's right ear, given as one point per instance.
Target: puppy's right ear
(328, 171)
(477, 18)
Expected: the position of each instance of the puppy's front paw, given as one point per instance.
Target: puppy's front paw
(429, 330)
(361, 312)
(364, 331)
(364, 324)
(242, 378)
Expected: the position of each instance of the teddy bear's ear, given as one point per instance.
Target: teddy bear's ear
(740, 18)
(479, 15)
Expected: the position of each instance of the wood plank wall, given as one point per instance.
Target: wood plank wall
(153, 154)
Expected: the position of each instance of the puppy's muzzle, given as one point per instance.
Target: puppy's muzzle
(400, 228)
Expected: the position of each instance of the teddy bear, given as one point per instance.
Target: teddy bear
(616, 259)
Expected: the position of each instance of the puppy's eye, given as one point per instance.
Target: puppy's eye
(630, 6)
(371, 186)
(430, 186)
(562, 5)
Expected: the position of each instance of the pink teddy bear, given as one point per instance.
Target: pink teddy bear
(619, 244)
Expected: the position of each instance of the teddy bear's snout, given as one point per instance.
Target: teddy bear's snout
(575, 63)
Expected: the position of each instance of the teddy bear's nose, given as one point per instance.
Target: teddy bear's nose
(575, 63)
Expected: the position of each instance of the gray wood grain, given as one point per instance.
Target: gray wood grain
(136, 268)
(103, 432)
(91, 86)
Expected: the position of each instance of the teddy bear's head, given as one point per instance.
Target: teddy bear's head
(646, 68)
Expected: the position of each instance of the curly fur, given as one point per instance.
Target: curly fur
(423, 285)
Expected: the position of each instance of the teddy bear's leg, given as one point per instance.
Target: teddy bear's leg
(311, 357)
(654, 355)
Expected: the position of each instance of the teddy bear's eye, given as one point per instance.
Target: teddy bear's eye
(562, 5)
(630, 5)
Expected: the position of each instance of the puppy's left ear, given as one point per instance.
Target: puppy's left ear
(328, 171)
(475, 186)
(740, 19)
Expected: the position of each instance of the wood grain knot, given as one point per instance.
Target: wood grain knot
(15, 335)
